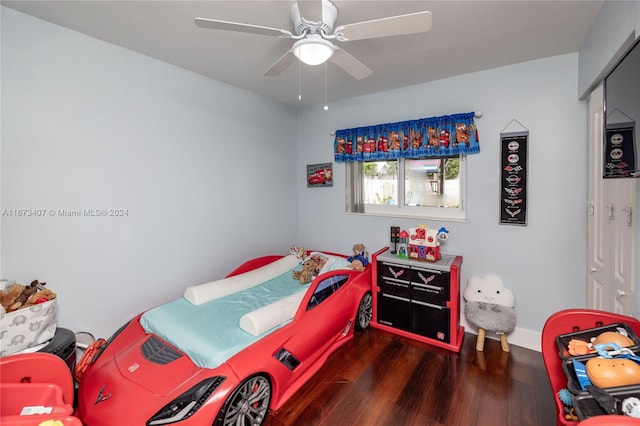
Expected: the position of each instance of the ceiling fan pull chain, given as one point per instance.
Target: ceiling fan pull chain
(299, 81)
(326, 105)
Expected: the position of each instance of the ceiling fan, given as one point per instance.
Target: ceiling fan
(313, 35)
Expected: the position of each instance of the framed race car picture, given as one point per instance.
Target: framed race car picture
(319, 175)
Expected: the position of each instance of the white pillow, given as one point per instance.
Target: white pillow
(265, 318)
(206, 292)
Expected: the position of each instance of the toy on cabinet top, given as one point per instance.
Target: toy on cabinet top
(403, 245)
(394, 238)
(421, 243)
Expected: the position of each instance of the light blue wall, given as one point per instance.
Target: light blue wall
(201, 167)
(544, 263)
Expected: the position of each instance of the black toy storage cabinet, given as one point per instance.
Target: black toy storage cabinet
(418, 299)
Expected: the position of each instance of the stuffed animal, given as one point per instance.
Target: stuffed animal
(305, 276)
(310, 268)
(41, 296)
(29, 291)
(490, 306)
(359, 254)
(9, 297)
(18, 296)
(356, 265)
(299, 252)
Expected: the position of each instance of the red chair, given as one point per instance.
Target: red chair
(610, 421)
(569, 321)
(38, 378)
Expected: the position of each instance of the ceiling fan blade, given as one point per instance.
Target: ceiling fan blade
(216, 24)
(411, 23)
(311, 10)
(280, 65)
(351, 65)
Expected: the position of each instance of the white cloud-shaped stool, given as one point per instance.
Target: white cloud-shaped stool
(490, 306)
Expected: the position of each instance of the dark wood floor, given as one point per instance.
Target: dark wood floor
(382, 379)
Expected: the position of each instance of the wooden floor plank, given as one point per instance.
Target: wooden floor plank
(382, 379)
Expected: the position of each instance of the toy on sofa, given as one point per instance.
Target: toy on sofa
(490, 306)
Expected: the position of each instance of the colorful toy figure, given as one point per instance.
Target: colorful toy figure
(403, 247)
(395, 238)
(424, 243)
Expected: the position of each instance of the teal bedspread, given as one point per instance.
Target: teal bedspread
(209, 333)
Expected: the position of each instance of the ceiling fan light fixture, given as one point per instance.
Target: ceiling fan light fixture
(313, 50)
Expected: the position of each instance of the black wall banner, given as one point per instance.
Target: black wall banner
(513, 179)
(619, 150)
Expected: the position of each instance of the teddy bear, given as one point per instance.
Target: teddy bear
(9, 297)
(310, 268)
(356, 265)
(18, 296)
(305, 276)
(359, 259)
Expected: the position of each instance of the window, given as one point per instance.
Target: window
(428, 187)
(326, 288)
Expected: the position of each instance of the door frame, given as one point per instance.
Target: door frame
(611, 223)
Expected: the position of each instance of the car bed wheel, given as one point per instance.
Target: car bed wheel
(248, 404)
(365, 312)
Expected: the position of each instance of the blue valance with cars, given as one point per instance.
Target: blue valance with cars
(443, 136)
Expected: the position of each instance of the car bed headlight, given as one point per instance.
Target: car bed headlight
(186, 404)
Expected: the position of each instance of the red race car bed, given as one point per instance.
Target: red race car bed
(229, 350)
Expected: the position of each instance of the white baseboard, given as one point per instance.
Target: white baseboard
(520, 336)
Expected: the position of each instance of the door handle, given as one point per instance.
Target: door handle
(627, 212)
(609, 208)
(621, 293)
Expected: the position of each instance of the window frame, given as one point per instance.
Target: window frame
(399, 210)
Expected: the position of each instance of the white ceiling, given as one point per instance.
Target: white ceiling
(466, 36)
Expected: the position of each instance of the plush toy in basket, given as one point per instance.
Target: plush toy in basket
(27, 316)
(18, 296)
